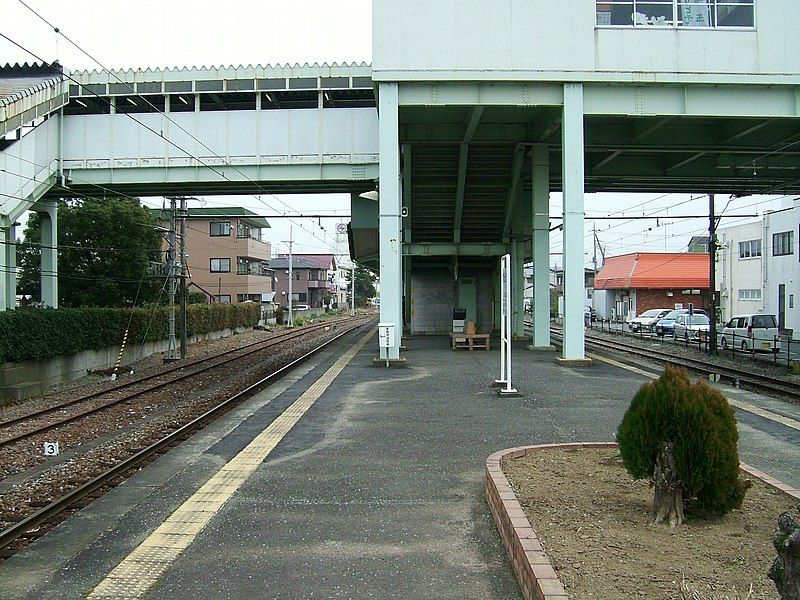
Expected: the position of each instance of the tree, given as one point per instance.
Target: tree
(683, 437)
(105, 246)
(365, 284)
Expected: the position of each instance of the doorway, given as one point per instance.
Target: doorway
(781, 307)
(468, 297)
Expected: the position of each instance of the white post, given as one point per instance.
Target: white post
(506, 329)
(48, 214)
(503, 330)
(389, 216)
(540, 301)
(573, 186)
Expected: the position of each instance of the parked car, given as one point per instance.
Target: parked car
(666, 325)
(691, 327)
(648, 319)
(751, 332)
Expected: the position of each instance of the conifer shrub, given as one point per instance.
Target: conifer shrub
(698, 424)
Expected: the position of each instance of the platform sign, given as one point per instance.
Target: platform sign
(386, 335)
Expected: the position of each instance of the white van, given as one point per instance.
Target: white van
(751, 332)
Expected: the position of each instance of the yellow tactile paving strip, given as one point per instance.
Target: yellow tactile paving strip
(761, 412)
(141, 568)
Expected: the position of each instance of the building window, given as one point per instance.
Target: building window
(783, 243)
(749, 294)
(248, 266)
(220, 228)
(750, 249)
(223, 299)
(220, 265)
(676, 13)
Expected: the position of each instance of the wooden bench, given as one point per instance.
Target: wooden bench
(470, 341)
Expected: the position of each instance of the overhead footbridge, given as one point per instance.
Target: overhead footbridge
(205, 131)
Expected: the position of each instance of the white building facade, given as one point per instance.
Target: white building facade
(758, 267)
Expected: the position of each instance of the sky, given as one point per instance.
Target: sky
(200, 33)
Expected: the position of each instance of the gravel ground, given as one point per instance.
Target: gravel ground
(593, 520)
(94, 445)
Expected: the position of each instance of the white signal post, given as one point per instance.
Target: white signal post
(506, 330)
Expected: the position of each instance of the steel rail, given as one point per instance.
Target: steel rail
(184, 365)
(18, 530)
(755, 381)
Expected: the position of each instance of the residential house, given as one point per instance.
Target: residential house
(227, 254)
(630, 284)
(557, 285)
(309, 281)
(758, 267)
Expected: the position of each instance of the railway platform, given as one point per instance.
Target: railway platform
(343, 480)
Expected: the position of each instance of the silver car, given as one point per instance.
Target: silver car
(691, 327)
(648, 319)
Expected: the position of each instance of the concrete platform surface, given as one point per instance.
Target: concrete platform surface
(375, 493)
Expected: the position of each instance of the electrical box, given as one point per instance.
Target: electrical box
(386, 335)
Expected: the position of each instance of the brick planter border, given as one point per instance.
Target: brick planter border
(536, 577)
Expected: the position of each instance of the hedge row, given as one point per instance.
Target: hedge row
(41, 334)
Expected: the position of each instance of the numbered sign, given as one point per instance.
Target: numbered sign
(51, 449)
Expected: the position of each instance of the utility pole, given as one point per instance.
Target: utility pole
(712, 273)
(594, 247)
(171, 279)
(353, 290)
(290, 322)
(183, 216)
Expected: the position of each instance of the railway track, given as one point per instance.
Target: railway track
(36, 524)
(135, 388)
(740, 377)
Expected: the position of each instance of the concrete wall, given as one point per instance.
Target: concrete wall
(433, 298)
(29, 378)
(558, 39)
(734, 273)
(783, 269)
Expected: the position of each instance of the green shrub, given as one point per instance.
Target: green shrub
(41, 334)
(702, 426)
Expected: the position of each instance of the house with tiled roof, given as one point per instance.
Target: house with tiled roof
(630, 284)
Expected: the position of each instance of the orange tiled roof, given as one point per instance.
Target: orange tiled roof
(654, 270)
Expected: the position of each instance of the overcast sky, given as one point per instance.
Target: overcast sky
(200, 33)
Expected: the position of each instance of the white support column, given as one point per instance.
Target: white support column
(389, 216)
(517, 290)
(407, 233)
(540, 302)
(8, 267)
(48, 214)
(573, 185)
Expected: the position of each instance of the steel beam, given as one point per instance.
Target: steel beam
(611, 156)
(513, 187)
(463, 156)
(461, 249)
(747, 131)
(8, 265)
(389, 217)
(573, 184)
(685, 161)
(651, 129)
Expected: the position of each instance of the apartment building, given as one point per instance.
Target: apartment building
(758, 267)
(310, 280)
(228, 257)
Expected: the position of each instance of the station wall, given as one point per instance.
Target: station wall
(559, 39)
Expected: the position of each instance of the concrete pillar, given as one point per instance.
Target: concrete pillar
(48, 214)
(8, 267)
(407, 233)
(391, 263)
(540, 251)
(573, 184)
(517, 290)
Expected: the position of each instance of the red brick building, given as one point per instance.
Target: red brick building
(630, 284)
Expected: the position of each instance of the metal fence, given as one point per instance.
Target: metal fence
(785, 351)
